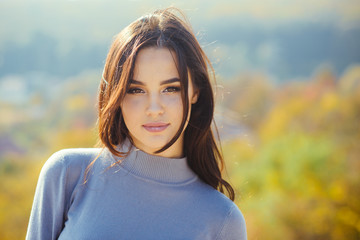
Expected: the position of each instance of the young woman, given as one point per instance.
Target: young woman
(158, 174)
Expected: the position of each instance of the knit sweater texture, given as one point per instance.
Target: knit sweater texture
(143, 197)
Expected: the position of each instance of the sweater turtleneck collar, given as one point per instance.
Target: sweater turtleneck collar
(155, 168)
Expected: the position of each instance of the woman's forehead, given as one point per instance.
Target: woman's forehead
(155, 65)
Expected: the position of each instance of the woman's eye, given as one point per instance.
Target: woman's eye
(135, 91)
(172, 89)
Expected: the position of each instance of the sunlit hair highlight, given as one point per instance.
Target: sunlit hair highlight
(163, 29)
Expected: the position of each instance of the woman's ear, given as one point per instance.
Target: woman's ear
(195, 96)
(194, 89)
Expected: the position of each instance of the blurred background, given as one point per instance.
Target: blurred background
(288, 102)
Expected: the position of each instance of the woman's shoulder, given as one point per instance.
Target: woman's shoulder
(212, 195)
(225, 205)
(234, 225)
(72, 157)
(233, 221)
(72, 161)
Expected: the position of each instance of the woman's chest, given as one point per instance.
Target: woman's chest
(133, 211)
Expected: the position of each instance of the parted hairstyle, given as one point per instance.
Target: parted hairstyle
(164, 29)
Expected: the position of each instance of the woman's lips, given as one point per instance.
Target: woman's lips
(156, 127)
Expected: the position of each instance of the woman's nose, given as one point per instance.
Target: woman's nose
(155, 106)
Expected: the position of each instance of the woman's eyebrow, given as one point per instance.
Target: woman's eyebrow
(136, 82)
(171, 80)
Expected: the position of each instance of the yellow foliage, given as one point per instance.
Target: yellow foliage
(329, 102)
(77, 102)
(281, 118)
(349, 217)
(337, 191)
(301, 175)
(16, 194)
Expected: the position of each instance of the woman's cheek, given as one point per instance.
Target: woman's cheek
(172, 100)
(131, 102)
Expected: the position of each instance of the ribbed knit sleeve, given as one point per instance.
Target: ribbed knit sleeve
(234, 226)
(52, 199)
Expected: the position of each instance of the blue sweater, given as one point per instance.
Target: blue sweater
(145, 197)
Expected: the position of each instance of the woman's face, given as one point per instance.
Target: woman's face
(152, 108)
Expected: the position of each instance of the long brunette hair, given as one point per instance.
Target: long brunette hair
(164, 29)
